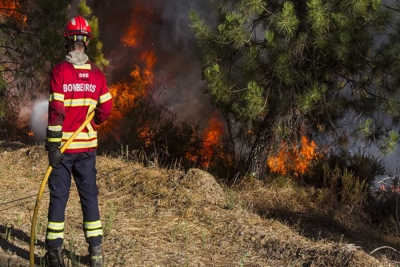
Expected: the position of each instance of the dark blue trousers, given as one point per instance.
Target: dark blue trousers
(81, 166)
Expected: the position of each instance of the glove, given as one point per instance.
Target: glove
(52, 146)
(55, 157)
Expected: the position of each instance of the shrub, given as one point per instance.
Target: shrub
(342, 190)
(384, 206)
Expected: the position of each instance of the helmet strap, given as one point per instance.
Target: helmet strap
(71, 42)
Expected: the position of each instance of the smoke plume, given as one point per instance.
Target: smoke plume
(38, 118)
(165, 25)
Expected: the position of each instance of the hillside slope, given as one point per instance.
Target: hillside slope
(155, 217)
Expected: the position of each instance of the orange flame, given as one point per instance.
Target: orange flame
(7, 6)
(211, 141)
(249, 132)
(391, 188)
(146, 135)
(294, 160)
(135, 33)
(11, 8)
(124, 99)
(136, 30)
(126, 94)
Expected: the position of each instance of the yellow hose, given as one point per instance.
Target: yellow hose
(41, 190)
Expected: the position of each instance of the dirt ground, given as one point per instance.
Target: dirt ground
(158, 217)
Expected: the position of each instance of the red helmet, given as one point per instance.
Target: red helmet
(78, 26)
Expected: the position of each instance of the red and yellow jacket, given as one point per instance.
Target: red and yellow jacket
(75, 91)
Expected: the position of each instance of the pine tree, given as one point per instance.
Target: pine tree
(30, 43)
(284, 69)
(95, 46)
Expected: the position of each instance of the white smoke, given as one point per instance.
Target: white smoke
(38, 119)
(168, 35)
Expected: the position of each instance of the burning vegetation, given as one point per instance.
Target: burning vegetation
(211, 141)
(134, 121)
(295, 160)
(12, 9)
(126, 95)
(133, 37)
(140, 123)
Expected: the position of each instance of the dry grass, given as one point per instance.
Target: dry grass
(155, 217)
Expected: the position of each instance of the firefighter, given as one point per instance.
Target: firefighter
(77, 87)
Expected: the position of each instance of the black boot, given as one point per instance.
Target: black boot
(96, 256)
(55, 257)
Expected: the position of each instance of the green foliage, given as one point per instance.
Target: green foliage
(33, 43)
(30, 42)
(392, 107)
(312, 97)
(353, 189)
(231, 30)
(344, 191)
(287, 20)
(319, 16)
(250, 7)
(95, 45)
(384, 206)
(303, 67)
(254, 102)
(83, 9)
(390, 142)
(365, 129)
(204, 35)
(217, 86)
(362, 165)
(111, 213)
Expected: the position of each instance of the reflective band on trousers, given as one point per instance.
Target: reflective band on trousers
(55, 230)
(97, 257)
(92, 225)
(92, 233)
(55, 225)
(53, 236)
(92, 229)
